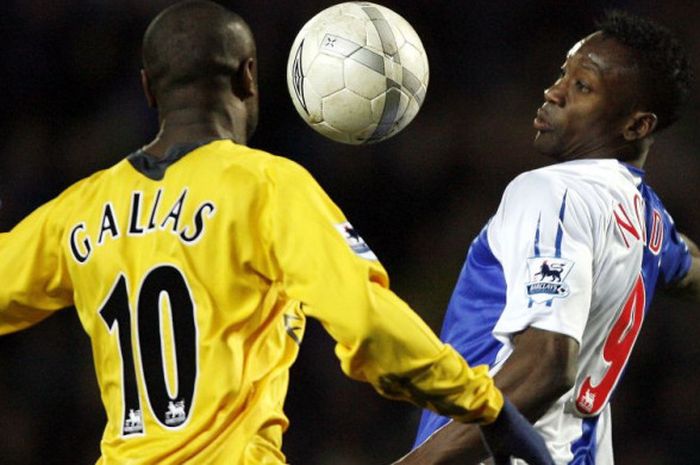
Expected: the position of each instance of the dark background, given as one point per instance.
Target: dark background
(71, 104)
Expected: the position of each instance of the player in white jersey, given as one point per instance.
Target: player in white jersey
(555, 288)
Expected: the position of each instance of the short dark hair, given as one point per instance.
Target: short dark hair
(664, 66)
(194, 41)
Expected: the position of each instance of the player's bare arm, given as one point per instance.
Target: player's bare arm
(540, 370)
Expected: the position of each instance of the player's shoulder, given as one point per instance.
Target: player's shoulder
(83, 189)
(593, 180)
(571, 172)
(273, 170)
(238, 158)
(72, 200)
(538, 183)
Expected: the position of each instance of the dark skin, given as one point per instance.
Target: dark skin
(540, 370)
(592, 111)
(200, 111)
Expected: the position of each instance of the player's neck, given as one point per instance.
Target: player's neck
(633, 153)
(187, 125)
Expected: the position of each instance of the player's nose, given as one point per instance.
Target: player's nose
(555, 94)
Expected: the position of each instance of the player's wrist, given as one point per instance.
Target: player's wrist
(487, 414)
(512, 435)
(494, 408)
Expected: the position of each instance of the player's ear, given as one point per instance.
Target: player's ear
(145, 83)
(640, 125)
(245, 83)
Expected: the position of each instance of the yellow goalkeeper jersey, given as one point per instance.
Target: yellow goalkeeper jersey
(193, 276)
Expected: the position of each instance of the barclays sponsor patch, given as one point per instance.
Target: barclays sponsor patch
(353, 239)
(547, 277)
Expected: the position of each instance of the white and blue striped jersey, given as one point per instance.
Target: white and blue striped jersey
(576, 248)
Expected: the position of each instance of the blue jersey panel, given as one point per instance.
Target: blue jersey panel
(673, 260)
(475, 307)
(584, 449)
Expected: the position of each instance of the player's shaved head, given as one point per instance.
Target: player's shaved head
(195, 43)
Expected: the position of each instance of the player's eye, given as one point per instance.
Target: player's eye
(583, 87)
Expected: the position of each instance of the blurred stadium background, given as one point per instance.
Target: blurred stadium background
(72, 104)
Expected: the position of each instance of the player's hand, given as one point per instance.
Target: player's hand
(511, 435)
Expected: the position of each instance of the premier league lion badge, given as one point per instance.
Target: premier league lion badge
(547, 277)
(353, 239)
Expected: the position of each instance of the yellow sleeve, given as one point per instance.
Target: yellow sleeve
(379, 338)
(34, 280)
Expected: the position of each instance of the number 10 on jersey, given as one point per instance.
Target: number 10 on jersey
(170, 405)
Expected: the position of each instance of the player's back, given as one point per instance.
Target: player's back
(189, 274)
(189, 337)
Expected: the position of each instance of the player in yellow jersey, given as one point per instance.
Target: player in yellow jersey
(194, 262)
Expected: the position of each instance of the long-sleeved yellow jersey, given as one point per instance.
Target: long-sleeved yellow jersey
(193, 277)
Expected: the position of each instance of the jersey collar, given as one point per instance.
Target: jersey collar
(638, 172)
(154, 168)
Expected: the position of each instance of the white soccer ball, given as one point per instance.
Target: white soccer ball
(357, 73)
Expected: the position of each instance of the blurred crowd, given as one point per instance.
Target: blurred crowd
(72, 104)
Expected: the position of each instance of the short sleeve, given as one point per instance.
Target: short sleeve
(675, 256)
(543, 235)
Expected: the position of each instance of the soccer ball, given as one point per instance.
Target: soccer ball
(357, 73)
